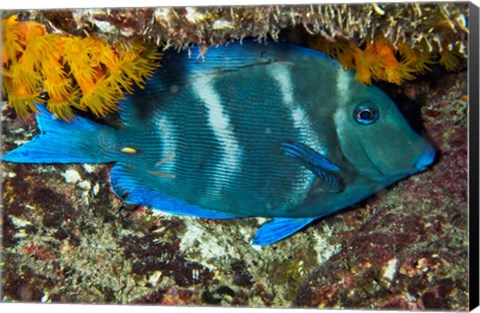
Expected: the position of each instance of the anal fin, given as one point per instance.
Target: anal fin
(129, 186)
(279, 228)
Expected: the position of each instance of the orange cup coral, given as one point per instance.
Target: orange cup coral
(380, 60)
(73, 72)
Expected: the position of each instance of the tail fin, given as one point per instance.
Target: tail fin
(59, 141)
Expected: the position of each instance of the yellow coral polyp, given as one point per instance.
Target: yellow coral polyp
(449, 58)
(24, 73)
(375, 61)
(74, 72)
(62, 105)
(78, 54)
(16, 35)
(31, 30)
(393, 70)
(23, 99)
(102, 98)
(418, 60)
(101, 53)
(10, 44)
(368, 63)
(22, 91)
(58, 89)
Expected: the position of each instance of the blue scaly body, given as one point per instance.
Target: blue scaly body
(269, 130)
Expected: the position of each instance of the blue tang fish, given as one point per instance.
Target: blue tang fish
(271, 130)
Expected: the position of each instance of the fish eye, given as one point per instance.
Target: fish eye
(365, 114)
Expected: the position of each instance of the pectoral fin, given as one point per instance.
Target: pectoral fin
(324, 169)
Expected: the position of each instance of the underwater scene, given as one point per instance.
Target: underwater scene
(310, 156)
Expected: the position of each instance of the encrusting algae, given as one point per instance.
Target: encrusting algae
(68, 72)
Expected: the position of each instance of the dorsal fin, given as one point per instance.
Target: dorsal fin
(180, 69)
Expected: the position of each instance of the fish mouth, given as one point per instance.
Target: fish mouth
(419, 164)
(424, 160)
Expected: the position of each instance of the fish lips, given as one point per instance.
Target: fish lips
(424, 160)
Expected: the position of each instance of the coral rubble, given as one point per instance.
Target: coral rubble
(409, 22)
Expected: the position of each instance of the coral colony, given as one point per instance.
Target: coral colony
(81, 72)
